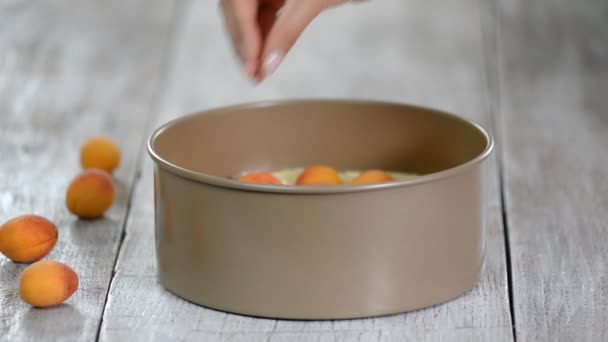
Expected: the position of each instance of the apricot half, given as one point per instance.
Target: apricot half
(27, 238)
(319, 175)
(260, 178)
(372, 176)
(47, 283)
(90, 194)
(100, 153)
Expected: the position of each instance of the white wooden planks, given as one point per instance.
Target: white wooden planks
(425, 52)
(70, 70)
(554, 109)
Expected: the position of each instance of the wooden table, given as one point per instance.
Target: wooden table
(534, 72)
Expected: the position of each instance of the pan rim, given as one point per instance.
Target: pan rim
(293, 189)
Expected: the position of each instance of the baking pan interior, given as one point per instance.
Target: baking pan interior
(343, 134)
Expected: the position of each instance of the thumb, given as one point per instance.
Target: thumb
(291, 21)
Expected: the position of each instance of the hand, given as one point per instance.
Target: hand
(263, 31)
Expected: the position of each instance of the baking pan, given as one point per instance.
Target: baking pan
(319, 252)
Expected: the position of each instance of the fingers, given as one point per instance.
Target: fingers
(291, 21)
(267, 14)
(263, 31)
(240, 19)
(293, 18)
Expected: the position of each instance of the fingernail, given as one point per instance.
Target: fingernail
(271, 62)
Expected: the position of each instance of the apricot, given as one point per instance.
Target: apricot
(90, 194)
(27, 238)
(319, 175)
(372, 176)
(100, 153)
(260, 178)
(47, 283)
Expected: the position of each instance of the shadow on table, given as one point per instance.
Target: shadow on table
(38, 323)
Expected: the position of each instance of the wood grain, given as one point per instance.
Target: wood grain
(382, 50)
(70, 70)
(554, 76)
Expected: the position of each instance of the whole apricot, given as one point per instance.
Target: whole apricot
(319, 175)
(47, 283)
(260, 178)
(372, 176)
(100, 153)
(90, 194)
(27, 238)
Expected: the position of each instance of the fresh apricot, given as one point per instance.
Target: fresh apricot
(27, 238)
(372, 176)
(260, 178)
(47, 283)
(319, 175)
(90, 194)
(100, 153)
